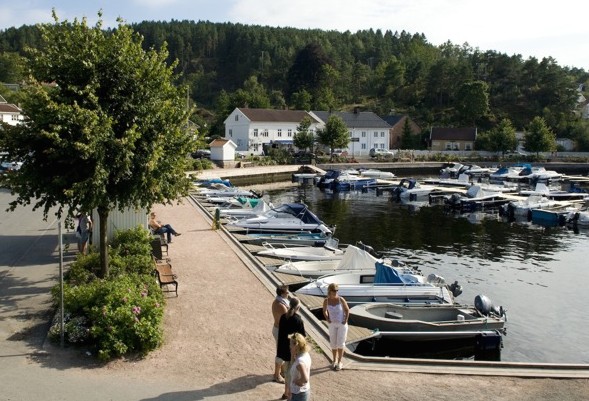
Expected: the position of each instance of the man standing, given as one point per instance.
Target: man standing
(280, 306)
(83, 232)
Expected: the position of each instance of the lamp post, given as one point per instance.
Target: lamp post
(61, 313)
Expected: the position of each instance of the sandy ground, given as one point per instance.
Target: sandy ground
(218, 346)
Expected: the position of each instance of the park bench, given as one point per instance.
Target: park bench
(165, 276)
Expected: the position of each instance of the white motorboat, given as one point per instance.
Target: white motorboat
(544, 190)
(246, 210)
(222, 190)
(354, 259)
(289, 217)
(329, 251)
(386, 284)
(523, 207)
(503, 174)
(374, 173)
(579, 218)
(410, 189)
(476, 198)
(428, 322)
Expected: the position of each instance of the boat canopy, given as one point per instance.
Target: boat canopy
(300, 211)
(386, 274)
(356, 258)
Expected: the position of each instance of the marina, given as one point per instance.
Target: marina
(515, 350)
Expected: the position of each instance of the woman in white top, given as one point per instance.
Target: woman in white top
(300, 370)
(336, 311)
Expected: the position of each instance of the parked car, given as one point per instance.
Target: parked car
(339, 152)
(374, 152)
(201, 154)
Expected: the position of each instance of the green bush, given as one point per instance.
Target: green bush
(117, 315)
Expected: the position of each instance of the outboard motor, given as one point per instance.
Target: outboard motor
(436, 280)
(455, 289)
(485, 306)
(454, 200)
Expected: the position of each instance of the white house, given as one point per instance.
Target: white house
(366, 130)
(250, 129)
(10, 113)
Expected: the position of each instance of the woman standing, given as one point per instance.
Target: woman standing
(336, 312)
(289, 323)
(300, 371)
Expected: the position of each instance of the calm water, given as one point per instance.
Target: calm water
(536, 273)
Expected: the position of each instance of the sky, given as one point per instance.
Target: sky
(530, 28)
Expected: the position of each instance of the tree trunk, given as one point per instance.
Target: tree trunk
(103, 215)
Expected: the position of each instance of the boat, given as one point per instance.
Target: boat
(523, 207)
(385, 284)
(502, 174)
(557, 194)
(327, 180)
(346, 182)
(247, 210)
(476, 198)
(294, 239)
(579, 218)
(329, 251)
(454, 170)
(411, 189)
(222, 190)
(355, 258)
(552, 217)
(374, 173)
(429, 322)
(289, 217)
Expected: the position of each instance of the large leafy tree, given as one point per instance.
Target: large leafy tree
(539, 137)
(304, 138)
(502, 138)
(334, 134)
(472, 100)
(109, 134)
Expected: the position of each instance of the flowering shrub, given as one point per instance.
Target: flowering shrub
(119, 314)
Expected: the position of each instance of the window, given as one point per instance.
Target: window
(255, 132)
(467, 147)
(15, 117)
(237, 117)
(363, 146)
(256, 147)
(230, 132)
(363, 134)
(382, 134)
(382, 145)
(289, 132)
(375, 134)
(265, 133)
(279, 132)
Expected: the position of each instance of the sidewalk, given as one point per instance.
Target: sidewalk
(218, 343)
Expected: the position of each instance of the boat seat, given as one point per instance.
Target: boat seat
(393, 315)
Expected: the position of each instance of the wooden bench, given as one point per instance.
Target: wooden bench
(165, 276)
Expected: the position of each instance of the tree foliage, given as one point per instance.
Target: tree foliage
(109, 134)
(335, 133)
(539, 137)
(502, 138)
(304, 138)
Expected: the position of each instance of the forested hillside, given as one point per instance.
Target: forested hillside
(229, 65)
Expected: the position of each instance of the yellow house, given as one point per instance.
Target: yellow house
(452, 138)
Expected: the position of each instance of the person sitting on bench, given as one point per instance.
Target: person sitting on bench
(161, 229)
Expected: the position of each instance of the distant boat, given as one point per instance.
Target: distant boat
(294, 239)
(329, 251)
(289, 217)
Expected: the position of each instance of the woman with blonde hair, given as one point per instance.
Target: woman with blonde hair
(289, 323)
(300, 370)
(336, 311)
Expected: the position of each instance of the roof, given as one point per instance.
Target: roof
(455, 134)
(9, 108)
(392, 120)
(220, 142)
(362, 119)
(270, 115)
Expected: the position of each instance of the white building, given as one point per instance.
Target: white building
(366, 130)
(10, 113)
(222, 150)
(250, 129)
